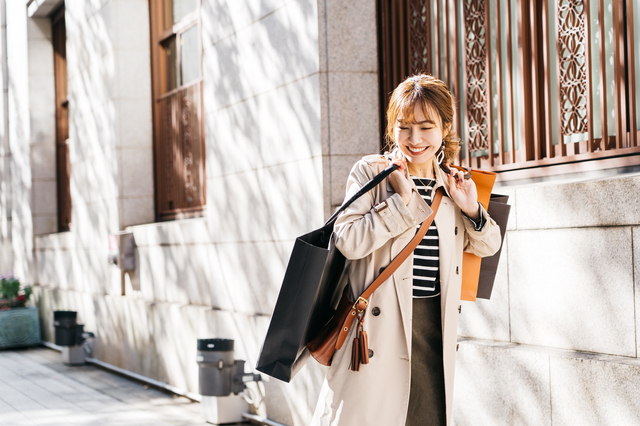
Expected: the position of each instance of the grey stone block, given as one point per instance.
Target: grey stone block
(253, 273)
(134, 123)
(591, 392)
(94, 179)
(496, 385)
(183, 273)
(594, 203)
(573, 289)
(136, 211)
(39, 29)
(283, 46)
(489, 319)
(131, 30)
(354, 114)
(44, 198)
(177, 232)
(352, 43)
(288, 197)
(41, 59)
(222, 18)
(340, 168)
(636, 284)
(265, 130)
(326, 187)
(324, 113)
(43, 161)
(45, 225)
(159, 275)
(136, 172)
(133, 73)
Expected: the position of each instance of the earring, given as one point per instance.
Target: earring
(440, 155)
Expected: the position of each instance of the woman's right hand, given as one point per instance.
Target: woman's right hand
(399, 180)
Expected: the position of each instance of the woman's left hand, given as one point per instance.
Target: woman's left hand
(464, 193)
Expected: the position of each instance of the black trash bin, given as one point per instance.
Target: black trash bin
(217, 366)
(65, 328)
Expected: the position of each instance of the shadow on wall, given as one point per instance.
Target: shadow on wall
(264, 164)
(491, 387)
(579, 302)
(18, 197)
(264, 187)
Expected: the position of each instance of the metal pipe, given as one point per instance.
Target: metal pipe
(177, 391)
(52, 346)
(139, 377)
(262, 420)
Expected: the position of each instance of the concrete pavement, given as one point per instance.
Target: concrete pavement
(37, 389)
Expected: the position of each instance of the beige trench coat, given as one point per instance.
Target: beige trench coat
(378, 395)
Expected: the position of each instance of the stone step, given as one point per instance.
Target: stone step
(501, 383)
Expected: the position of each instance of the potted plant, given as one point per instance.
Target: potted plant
(19, 324)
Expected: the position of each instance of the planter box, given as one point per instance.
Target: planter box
(19, 327)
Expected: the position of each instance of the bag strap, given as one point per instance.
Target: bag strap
(366, 188)
(409, 248)
(361, 302)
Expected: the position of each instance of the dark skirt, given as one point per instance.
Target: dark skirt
(427, 405)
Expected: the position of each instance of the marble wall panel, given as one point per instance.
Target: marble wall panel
(498, 385)
(573, 289)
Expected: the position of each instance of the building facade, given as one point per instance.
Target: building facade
(216, 131)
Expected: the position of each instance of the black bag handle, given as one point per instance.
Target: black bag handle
(366, 188)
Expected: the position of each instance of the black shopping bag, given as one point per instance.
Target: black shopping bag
(499, 211)
(303, 305)
(306, 298)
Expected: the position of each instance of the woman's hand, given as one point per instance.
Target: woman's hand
(464, 193)
(399, 180)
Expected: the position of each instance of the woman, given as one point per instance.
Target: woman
(412, 319)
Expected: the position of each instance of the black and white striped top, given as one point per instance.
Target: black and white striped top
(426, 257)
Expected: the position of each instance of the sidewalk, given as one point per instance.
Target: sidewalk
(36, 388)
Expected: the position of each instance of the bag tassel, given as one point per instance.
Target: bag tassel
(355, 355)
(360, 347)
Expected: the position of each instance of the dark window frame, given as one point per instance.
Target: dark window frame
(178, 121)
(63, 166)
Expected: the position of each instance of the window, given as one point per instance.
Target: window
(63, 168)
(177, 108)
(543, 83)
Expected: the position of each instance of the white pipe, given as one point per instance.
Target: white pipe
(192, 396)
(261, 420)
(177, 391)
(52, 346)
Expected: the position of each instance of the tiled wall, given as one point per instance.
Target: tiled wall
(557, 344)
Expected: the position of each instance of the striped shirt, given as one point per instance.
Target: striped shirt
(426, 257)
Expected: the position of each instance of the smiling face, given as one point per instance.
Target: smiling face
(419, 118)
(419, 135)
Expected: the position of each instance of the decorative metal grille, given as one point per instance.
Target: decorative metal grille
(168, 131)
(419, 36)
(476, 67)
(188, 150)
(572, 58)
(181, 188)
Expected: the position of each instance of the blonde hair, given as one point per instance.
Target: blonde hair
(434, 97)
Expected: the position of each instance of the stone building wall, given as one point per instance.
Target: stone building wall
(558, 342)
(291, 102)
(289, 105)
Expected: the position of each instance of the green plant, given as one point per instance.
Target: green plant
(12, 295)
